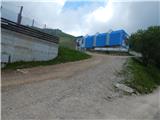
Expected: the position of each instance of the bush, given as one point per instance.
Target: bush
(147, 42)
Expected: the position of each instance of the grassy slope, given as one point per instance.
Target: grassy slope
(64, 55)
(142, 78)
(66, 40)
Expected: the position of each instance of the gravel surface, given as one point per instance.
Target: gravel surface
(76, 90)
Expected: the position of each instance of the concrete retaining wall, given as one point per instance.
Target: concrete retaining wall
(19, 47)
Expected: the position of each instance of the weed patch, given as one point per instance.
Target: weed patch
(143, 79)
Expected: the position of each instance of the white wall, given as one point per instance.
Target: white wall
(21, 47)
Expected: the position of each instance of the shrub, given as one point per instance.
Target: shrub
(147, 42)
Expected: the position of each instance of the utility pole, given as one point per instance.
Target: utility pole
(56, 32)
(19, 18)
(33, 23)
(44, 25)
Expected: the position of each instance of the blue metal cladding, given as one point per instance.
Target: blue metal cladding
(117, 37)
(101, 40)
(89, 41)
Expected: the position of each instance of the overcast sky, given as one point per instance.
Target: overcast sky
(81, 17)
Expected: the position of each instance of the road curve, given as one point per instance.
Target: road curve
(76, 90)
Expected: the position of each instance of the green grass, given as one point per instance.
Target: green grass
(143, 79)
(67, 41)
(64, 55)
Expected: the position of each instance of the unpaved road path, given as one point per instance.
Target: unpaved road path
(76, 90)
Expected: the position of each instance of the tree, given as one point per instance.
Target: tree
(147, 42)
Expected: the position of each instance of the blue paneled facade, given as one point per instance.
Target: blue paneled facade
(101, 40)
(88, 41)
(115, 38)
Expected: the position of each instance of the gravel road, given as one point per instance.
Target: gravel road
(76, 90)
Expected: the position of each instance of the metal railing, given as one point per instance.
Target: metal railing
(5, 23)
(13, 16)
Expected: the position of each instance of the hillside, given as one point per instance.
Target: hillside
(66, 40)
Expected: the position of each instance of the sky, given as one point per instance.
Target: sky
(82, 17)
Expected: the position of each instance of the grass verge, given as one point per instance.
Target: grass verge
(143, 79)
(64, 55)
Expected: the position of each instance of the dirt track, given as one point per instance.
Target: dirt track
(76, 90)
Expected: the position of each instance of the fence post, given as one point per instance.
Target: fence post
(44, 25)
(19, 18)
(33, 23)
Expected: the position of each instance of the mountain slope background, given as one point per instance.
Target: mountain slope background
(66, 40)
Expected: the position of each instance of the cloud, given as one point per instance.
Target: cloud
(129, 16)
(102, 14)
(84, 17)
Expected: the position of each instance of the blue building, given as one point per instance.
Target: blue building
(118, 38)
(114, 39)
